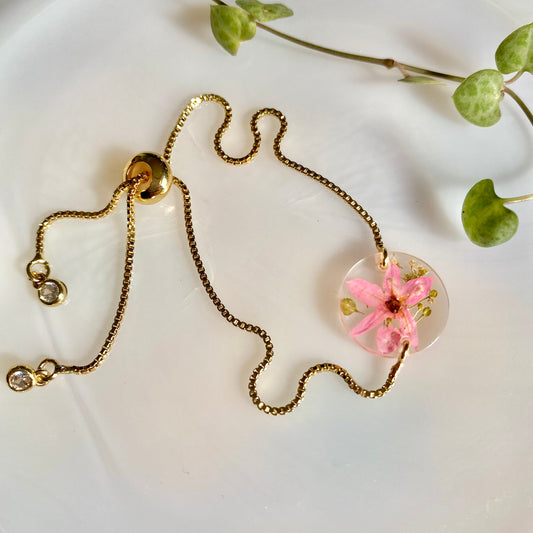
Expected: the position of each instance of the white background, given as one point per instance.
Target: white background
(163, 437)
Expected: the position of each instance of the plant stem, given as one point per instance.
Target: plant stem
(520, 102)
(518, 199)
(515, 77)
(387, 63)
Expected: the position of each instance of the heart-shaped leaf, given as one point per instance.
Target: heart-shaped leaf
(478, 97)
(265, 12)
(515, 53)
(231, 26)
(486, 221)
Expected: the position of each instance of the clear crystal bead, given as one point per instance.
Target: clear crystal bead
(52, 292)
(49, 292)
(20, 379)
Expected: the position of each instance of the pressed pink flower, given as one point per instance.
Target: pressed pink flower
(392, 301)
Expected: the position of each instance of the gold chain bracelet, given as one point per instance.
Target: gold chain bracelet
(395, 308)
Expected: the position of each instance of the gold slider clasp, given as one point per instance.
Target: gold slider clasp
(159, 176)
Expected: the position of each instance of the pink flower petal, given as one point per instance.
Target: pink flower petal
(388, 339)
(370, 321)
(369, 293)
(409, 327)
(392, 283)
(415, 290)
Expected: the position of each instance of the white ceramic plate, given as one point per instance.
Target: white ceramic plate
(163, 437)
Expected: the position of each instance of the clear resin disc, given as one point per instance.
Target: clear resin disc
(382, 308)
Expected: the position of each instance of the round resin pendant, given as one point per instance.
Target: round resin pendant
(382, 308)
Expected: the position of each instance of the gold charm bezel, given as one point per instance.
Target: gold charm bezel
(61, 295)
(27, 371)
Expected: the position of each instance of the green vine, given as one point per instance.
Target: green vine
(486, 220)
